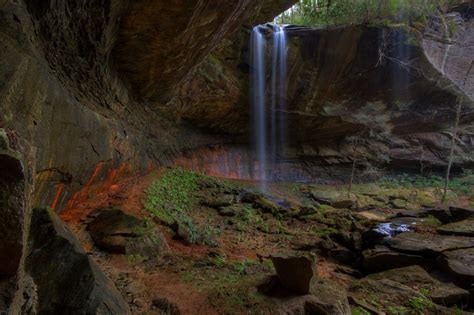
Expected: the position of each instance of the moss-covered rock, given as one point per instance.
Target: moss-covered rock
(462, 228)
(117, 232)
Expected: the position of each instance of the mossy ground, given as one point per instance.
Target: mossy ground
(224, 259)
(229, 276)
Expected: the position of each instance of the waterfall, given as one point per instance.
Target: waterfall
(257, 46)
(269, 135)
(278, 126)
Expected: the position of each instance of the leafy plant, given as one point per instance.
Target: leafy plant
(419, 303)
(171, 198)
(320, 13)
(397, 310)
(360, 311)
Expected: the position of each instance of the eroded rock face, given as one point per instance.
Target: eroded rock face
(449, 45)
(372, 82)
(67, 281)
(12, 205)
(161, 42)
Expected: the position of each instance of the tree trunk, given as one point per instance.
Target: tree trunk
(354, 161)
(453, 140)
(451, 153)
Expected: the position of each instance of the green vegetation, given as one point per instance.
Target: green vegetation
(433, 222)
(341, 12)
(171, 197)
(463, 185)
(229, 284)
(397, 310)
(170, 200)
(419, 304)
(359, 311)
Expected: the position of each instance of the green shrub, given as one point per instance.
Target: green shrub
(462, 185)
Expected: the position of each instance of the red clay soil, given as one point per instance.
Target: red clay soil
(139, 287)
(138, 284)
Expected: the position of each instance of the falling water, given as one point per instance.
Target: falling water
(269, 147)
(257, 46)
(279, 89)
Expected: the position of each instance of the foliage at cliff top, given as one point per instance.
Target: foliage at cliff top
(320, 13)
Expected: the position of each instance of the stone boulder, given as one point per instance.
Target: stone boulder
(259, 201)
(460, 265)
(458, 213)
(295, 270)
(334, 199)
(12, 202)
(383, 294)
(418, 279)
(382, 258)
(327, 299)
(461, 228)
(230, 211)
(217, 201)
(67, 281)
(427, 243)
(117, 232)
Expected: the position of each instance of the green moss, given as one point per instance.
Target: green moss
(397, 310)
(170, 200)
(136, 259)
(419, 304)
(359, 311)
(431, 221)
(325, 232)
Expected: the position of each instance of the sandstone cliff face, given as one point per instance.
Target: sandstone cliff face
(97, 90)
(449, 45)
(65, 93)
(383, 85)
(161, 42)
(61, 91)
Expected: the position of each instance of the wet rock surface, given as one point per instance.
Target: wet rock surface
(66, 279)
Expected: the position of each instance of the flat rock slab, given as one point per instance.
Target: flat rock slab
(418, 279)
(382, 258)
(428, 243)
(461, 228)
(376, 296)
(459, 214)
(334, 199)
(383, 293)
(459, 264)
(325, 298)
(295, 270)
